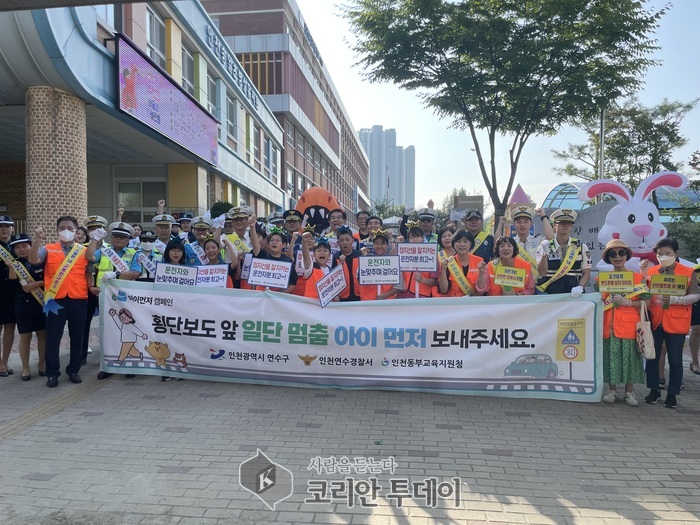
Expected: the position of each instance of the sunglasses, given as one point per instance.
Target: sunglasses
(620, 253)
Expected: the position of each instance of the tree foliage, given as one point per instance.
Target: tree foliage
(508, 67)
(385, 208)
(639, 141)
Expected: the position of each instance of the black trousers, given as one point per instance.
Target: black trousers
(93, 301)
(74, 312)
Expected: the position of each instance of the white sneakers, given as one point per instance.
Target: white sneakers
(630, 400)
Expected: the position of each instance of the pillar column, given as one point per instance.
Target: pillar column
(56, 157)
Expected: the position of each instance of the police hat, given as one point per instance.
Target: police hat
(275, 217)
(473, 214)
(6, 219)
(292, 215)
(95, 220)
(201, 222)
(238, 212)
(185, 217)
(163, 219)
(522, 212)
(563, 215)
(426, 213)
(20, 237)
(121, 228)
(148, 235)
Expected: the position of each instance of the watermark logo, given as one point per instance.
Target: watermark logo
(269, 481)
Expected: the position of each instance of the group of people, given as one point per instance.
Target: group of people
(43, 287)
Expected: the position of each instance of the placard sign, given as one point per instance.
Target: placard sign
(176, 274)
(379, 269)
(212, 275)
(418, 257)
(509, 277)
(269, 273)
(616, 282)
(668, 284)
(331, 285)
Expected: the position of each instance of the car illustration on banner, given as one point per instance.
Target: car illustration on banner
(532, 365)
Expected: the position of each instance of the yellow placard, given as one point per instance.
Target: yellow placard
(571, 340)
(616, 282)
(511, 277)
(668, 284)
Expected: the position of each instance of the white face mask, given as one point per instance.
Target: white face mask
(66, 235)
(147, 246)
(666, 260)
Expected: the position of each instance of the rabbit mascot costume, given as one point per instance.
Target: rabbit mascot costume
(635, 219)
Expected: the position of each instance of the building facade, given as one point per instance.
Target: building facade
(276, 48)
(119, 106)
(392, 172)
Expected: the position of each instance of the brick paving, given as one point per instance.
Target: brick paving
(142, 451)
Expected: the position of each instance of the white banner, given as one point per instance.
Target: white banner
(270, 273)
(543, 346)
(379, 269)
(418, 257)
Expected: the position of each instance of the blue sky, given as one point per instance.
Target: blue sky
(444, 157)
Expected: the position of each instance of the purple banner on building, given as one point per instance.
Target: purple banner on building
(150, 96)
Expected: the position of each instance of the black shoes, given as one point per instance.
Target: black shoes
(104, 375)
(52, 382)
(75, 379)
(670, 401)
(653, 397)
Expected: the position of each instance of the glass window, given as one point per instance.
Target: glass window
(300, 145)
(138, 199)
(317, 161)
(231, 114)
(155, 38)
(187, 70)
(290, 181)
(290, 134)
(309, 153)
(256, 146)
(273, 165)
(106, 13)
(211, 94)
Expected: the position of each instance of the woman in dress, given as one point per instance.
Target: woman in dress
(621, 360)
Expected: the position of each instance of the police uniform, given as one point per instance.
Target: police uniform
(28, 311)
(154, 256)
(7, 293)
(555, 257)
(484, 248)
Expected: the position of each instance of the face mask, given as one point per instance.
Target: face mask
(666, 260)
(147, 246)
(66, 235)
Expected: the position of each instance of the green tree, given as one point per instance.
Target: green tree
(385, 208)
(516, 68)
(639, 141)
(449, 200)
(684, 225)
(220, 207)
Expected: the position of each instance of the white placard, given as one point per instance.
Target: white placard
(176, 274)
(270, 273)
(212, 275)
(331, 285)
(379, 269)
(418, 257)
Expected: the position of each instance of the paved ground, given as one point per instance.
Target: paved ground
(144, 451)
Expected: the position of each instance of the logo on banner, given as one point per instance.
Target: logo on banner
(269, 481)
(571, 340)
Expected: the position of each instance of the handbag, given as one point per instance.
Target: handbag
(645, 340)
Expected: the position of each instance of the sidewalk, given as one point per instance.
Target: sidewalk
(132, 451)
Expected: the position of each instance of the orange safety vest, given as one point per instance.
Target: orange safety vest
(621, 319)
(351, 278)
(518, 262)
(676, 318)
(472, 277)
(310, 284)
(368, 292)
(423, 289)
(75, 284)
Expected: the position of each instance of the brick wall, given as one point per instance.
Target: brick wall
(56, 157)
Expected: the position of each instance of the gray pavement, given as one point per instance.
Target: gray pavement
(142, 451)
